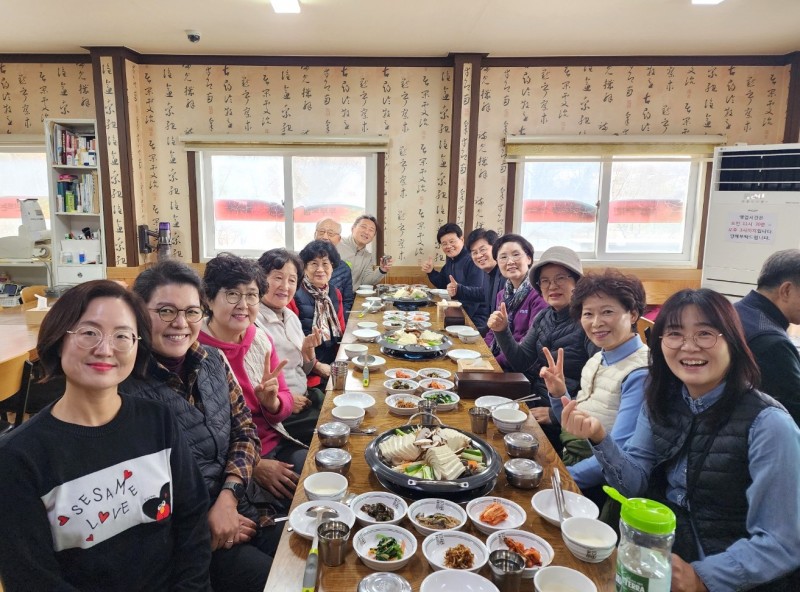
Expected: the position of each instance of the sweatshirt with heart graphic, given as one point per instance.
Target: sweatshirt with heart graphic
(116, 507)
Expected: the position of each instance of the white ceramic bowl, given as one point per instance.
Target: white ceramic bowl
(304, 525)
(495, 542)
(454, 399)
(375, 362)
(448, 580)
(433, 505)
(392, 501)
(491, 400)
(392, 373)
(556, 577)
(544, 504)
(362, 400)
(349, 415)
(469, 335)
(422, 325)
(367, 325)
(325, 486)
(436, 545)
(463, 354)
(367, 538)
(435, 384)
(365, 291)
(419, 317)
(392, 386)
(588, 539)
(367, 335)
(455, 330)
(441, 293)
(394, 324)
(516, 515)
(392, 400)
(508, 420)
(434, 373)
(365, 287)
(355, 349)
(374, 299)
(394, 314)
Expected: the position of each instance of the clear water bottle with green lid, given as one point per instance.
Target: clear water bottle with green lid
(647, 531)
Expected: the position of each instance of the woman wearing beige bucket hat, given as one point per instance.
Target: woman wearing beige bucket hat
(554, 275)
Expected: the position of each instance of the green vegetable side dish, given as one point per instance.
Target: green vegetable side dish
(438, 396)
(388, 549)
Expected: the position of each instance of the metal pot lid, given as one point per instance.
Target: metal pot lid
(334, 428)
(384, 582)
(333, 457)
(521, 440)
(523, 467)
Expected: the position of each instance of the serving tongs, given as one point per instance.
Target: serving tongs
(558, 494)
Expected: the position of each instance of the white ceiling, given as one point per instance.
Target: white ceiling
(405, 28)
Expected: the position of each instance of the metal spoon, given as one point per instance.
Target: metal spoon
(312, 563)
(364, 431)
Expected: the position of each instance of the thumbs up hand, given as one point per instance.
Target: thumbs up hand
(498, 321)
(452, 287)
(427, 266)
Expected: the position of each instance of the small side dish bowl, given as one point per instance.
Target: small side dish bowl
(408, 407)
(369, 537)
(435, 546)
(367, 325)
(434, 373)
(432, 506)
(366, 335)
(508, 420)
(436, 384)
(354, 350)
(406, 373)
(445, 400)
(469, 335)
(588, 539)
(400, 386)
(325, 486)
(349, 415)
(557, 577)
(396, 505)
(515, 515)
(496, 542)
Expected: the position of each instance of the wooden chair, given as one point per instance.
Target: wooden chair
(643, 327)
(29, 293)
(15, 380)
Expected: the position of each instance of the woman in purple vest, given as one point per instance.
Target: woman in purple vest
(724, 456)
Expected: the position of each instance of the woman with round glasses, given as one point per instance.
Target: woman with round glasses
(319, 304)
(283, 270)
(196, 383)
(555, 275)
(98, 478)
(233, 287)
(724, 456)
(607, 306)
(519, 299)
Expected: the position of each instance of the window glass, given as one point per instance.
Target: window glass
(559, 204)
(22, 175)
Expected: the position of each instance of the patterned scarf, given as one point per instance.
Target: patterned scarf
(325, 318)
(514, 300)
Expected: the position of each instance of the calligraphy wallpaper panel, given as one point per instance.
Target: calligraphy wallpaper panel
(746, 103)
(412, 106)
(31, 93)
(139, 152)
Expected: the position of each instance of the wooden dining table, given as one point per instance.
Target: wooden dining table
(289, 561)
(18, 336)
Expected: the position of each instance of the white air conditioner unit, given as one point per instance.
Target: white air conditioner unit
(754, 210)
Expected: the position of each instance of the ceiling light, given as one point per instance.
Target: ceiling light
(693, 1)
(285, 6)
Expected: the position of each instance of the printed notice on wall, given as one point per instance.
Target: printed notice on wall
(750, 227)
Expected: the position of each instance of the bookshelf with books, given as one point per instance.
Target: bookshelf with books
(76, 205)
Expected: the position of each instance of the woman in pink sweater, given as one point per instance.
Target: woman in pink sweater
(233, 288)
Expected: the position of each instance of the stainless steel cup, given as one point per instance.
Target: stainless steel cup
(333, 536)
(479, 419)
(507, 568)
(428, 408)
(338, 374)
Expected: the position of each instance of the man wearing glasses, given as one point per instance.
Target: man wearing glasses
(353, 250)
(330, 231)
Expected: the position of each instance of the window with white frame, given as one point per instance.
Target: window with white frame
(255, 200)
(612, 202)
(23, 175)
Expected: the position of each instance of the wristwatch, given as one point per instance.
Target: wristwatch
(237, 489)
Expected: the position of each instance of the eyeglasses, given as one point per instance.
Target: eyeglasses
(481, 251)
(330, 233)
(512, 257)
(314, 265)
(556, 281)
(234, 297)
(89, 338)
(702, 339)
(453, 243)
(193, 314)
